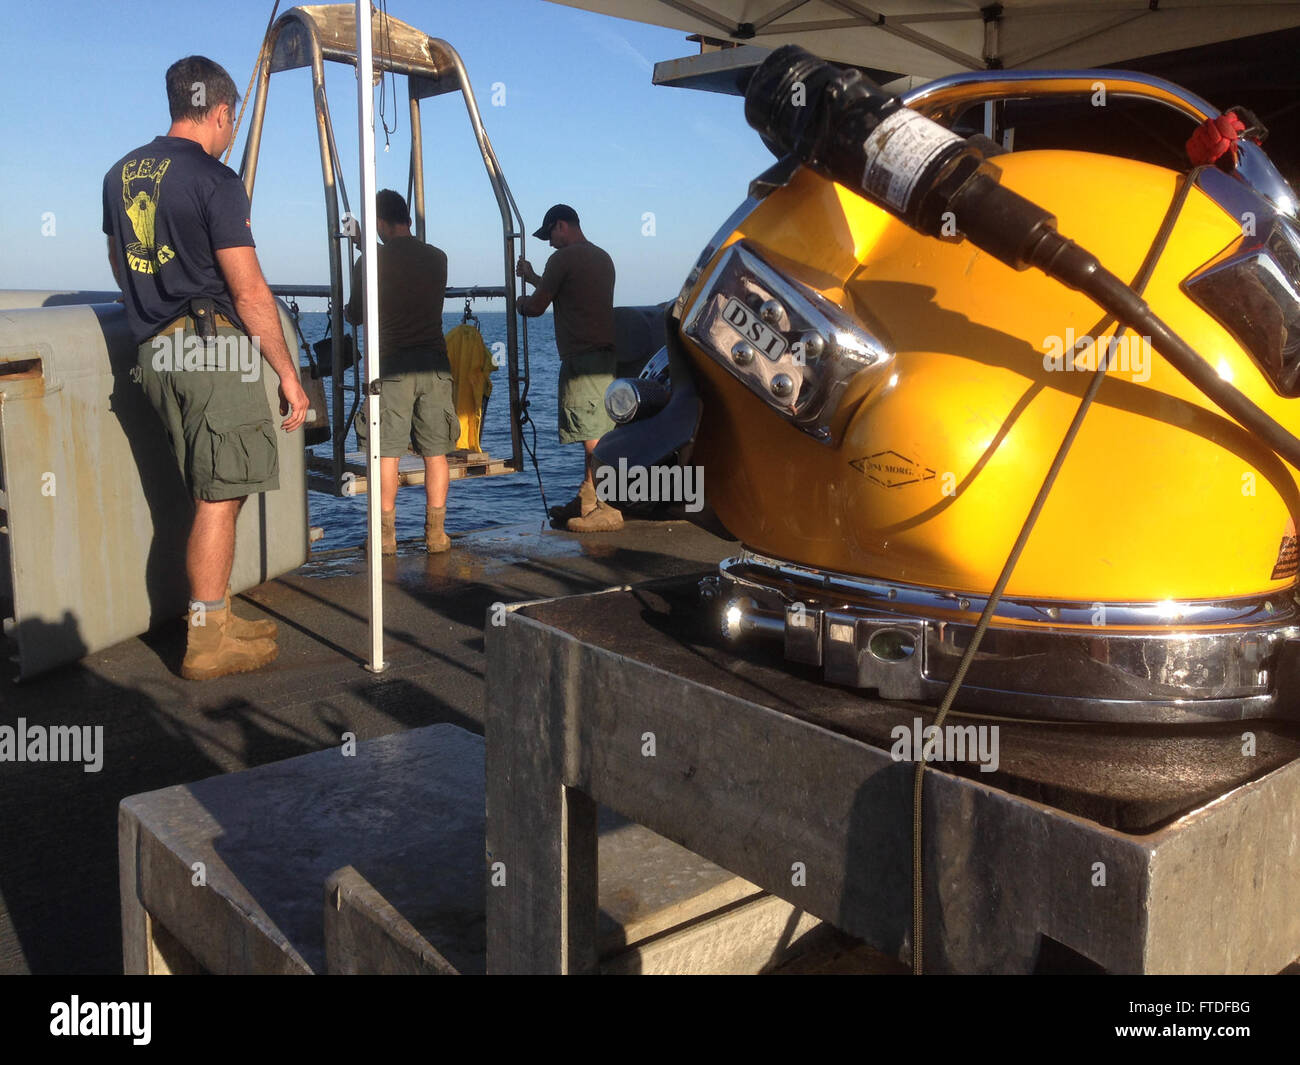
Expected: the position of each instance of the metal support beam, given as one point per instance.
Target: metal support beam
(370, 325)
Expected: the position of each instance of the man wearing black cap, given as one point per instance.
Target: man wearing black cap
(579, 278)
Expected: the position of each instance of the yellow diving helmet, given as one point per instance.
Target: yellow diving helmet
(916, 404)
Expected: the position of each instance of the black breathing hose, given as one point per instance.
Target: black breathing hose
(843, 126)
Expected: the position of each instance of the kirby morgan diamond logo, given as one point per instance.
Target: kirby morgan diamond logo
(889, 469)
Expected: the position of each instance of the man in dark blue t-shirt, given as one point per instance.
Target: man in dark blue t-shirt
(203, 318)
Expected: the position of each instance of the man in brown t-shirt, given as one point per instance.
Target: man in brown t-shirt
(579, 279)
(417, 393)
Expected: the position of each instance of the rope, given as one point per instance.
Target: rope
(261, 58)
(1099, 375)
(387, 51)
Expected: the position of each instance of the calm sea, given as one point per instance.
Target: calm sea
(480, 502)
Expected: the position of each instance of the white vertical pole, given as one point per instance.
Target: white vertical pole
(370, 327)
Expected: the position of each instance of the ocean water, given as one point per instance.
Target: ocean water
(473, 503)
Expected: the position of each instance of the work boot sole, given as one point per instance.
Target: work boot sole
(227, 669)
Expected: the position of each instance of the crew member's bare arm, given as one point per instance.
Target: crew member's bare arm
(256, 308)
(524, 269)
(535, 305)
(112, 262)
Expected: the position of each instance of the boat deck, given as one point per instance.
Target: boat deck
(59, 908)
(58, 856)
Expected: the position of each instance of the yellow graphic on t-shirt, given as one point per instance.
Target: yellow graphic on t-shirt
(141, 179)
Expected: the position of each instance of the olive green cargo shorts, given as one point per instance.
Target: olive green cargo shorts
(583, 380)
(419, 404)
(212, 400)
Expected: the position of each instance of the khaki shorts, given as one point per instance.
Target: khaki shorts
(420, 403)
(219, 422)
(581, 394)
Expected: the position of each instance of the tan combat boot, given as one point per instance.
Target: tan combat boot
(246, 628)
(211, 651)
(596, 516)
(435, 539)
(574, 508)
(388, 532)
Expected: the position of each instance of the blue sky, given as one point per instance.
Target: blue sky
(581, 124)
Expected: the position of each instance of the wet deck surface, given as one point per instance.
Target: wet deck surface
(58, 851)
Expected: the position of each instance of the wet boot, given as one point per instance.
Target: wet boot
(211, 651)
(388, 532)
(598, 517)
(245, 628)
(435, 539)
(583, 501)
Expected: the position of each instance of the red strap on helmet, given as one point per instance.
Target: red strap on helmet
(1215, 138)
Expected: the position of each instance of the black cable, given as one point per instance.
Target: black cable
(302, 340)
(1062, 259)
(525, 421)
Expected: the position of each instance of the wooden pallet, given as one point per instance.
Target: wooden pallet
(410, 470)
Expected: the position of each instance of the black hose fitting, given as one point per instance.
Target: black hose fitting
(843, 126)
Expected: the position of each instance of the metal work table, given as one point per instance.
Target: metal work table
(1129, 849)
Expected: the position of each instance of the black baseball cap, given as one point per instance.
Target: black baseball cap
(561, 212)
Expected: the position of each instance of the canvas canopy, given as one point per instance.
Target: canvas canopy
(932, 38)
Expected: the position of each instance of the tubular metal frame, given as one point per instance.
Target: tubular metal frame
(308, 36)
(942, 100)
